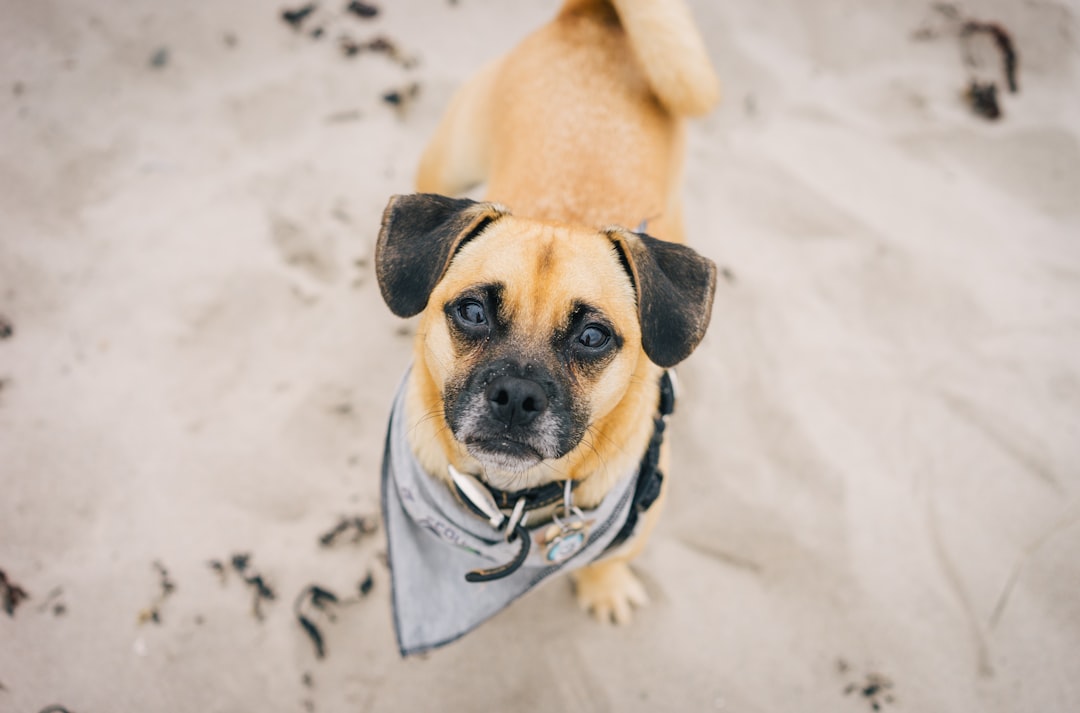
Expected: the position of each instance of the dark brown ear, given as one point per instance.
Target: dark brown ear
(675, 288)
(419, 235)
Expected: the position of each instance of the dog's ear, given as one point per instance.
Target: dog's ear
(675, 288)
(420, 234)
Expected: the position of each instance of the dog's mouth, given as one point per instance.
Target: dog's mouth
(504, 454)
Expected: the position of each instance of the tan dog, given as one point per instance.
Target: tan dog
(543, 333)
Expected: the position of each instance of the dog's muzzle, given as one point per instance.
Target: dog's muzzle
(511, 416)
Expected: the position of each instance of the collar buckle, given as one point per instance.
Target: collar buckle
(478, 497)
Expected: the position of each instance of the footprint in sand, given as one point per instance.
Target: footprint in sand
(302, 250)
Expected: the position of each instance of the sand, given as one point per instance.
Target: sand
(876, 466)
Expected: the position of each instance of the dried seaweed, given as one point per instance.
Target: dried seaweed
(360, 526)
(166, 587)
(380, 44)
(362, 9)
(1003, 41)
(875, 687)
(11, 594)
(240, 561)
(385, 45)
(316, 601)
(403, 98)
(296, 17)
(241, 564)
(219, 569)
(318, 598)
(263, 591)
(983, 99)
(366, 585)
(349, 46)
(981, 96)
(314, 634)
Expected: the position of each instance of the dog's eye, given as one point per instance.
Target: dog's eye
(594, 336)
(472, 312)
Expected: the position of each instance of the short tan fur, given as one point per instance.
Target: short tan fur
(579, 128)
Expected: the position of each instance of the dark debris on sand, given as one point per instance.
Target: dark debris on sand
(983, 99)
(54, 601)
(317, 603)
(311, 600)
(350, 528)
(160, 58)
(876, 688)
(981, 96)
(11, 594)
(363, 10)
(402, 98)
(240, 563)
(1003, 41)
(166, 587)
(379, 44)
(261, 591)
(296, 16)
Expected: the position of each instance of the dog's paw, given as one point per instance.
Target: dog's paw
(609, 590)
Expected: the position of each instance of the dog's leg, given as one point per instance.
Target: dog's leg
(609, 589)
(459, 153)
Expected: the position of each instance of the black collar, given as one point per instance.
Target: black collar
(650, 479)
(535, 498)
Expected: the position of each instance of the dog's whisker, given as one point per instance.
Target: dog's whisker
(598, 434)
(423, 420)
(592, 431)
(560, 474)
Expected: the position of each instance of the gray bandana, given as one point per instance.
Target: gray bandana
(433, 541)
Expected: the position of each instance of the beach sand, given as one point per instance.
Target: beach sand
(875, 487)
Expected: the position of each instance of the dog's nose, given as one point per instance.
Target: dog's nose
(516, 401)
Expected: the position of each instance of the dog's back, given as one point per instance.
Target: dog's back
(668, 47)
(581, 122)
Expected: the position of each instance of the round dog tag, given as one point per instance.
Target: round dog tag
(562, 540)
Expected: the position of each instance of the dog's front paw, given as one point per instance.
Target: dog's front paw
(610, 591)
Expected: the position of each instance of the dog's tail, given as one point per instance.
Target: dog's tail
(670, 50)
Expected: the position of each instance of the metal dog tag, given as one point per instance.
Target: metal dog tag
(561, 540)
(564, 537)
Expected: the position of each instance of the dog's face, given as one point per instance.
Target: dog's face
(532, 332)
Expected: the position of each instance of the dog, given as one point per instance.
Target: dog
(548, 314)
